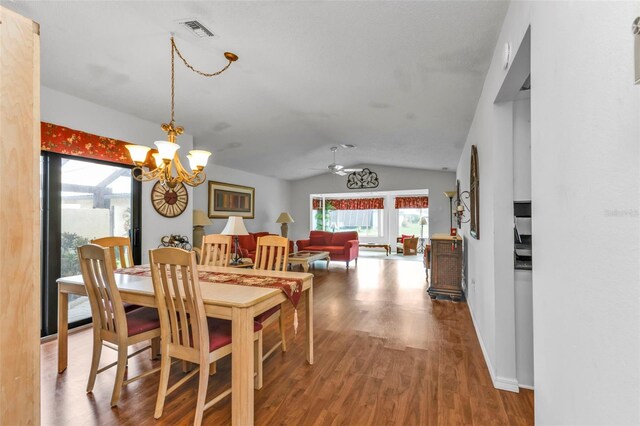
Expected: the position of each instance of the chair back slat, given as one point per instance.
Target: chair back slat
(120, 250)
(216, 250)
(107, 310)
(178, 296)
(272, 253)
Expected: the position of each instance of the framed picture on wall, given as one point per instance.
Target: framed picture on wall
(227, 199)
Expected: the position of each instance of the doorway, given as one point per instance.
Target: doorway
(81, 200)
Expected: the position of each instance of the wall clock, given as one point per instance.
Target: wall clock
(169, 202)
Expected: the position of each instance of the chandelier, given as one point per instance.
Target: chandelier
(168, 168)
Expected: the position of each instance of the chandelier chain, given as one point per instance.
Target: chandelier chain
(188, 65)
(173, 83)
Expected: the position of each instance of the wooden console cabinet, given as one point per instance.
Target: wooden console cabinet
(445, 278)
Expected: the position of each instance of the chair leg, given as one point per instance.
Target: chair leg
(257, 361)
(120, 369)
(165, 369)
(95, 361)
(347, 265)
(212, 368)
(283, 340)
(202, 394)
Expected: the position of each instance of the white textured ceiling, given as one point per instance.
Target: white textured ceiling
(400, 80)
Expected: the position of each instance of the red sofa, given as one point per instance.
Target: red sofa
(248, 244)
(340, 245)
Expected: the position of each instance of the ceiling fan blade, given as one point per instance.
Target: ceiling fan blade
(351, 170)
(339, 173)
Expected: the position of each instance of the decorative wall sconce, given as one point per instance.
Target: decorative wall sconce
(461, 206)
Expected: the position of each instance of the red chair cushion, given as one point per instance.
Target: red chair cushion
(220, 332)
(141, 320)
(404, 237)
(340, 238)
(266, 314)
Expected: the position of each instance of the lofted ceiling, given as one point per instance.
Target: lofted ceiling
(400, 80)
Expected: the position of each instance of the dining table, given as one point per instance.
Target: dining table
(234, 302)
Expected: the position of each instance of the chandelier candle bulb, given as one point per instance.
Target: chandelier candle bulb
(138, 153)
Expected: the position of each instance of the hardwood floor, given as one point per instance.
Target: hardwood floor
(385, 355)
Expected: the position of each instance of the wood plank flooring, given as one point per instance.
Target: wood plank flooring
(386, 354)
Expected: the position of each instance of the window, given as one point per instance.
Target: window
(409, 222)
(337, 215)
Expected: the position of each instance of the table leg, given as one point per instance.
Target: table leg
(305, 266)
(328, 260)
(242, 366)
(309, 302)
(63, 330)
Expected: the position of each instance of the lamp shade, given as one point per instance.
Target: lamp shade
(138, 152)
(198, 159)
(235, 226)
(423, 220)
(450, 194)
(284, 218)
(167, 149)
(200, 218)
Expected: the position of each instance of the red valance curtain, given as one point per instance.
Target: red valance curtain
(412, 202)
(62, 140)
(351, 204)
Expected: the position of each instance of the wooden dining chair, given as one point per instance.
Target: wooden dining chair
(110, 321)
(272, 253)
(187, 333)
(216, 250)
(121, 257)
(120, 249)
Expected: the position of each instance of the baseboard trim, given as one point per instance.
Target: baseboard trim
(501, 383)
(507, 384)
(526, 387)
(74, 330)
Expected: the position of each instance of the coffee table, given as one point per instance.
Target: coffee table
(306, 258)
(386, 247)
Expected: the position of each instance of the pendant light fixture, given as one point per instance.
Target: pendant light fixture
(168, 168)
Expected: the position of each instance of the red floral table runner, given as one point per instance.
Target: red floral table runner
(291, 287)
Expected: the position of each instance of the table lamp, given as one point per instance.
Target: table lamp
(284, 219)
(200, 220)
(235, 226)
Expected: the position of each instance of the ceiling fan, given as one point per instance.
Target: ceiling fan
(338, 169)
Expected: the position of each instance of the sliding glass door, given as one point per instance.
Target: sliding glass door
(82, 200)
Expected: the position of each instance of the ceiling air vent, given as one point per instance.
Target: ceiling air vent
(196, 28)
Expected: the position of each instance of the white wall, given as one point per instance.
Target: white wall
(522, 149)
(272, 197)
(75, 113)
(585, 185)
(391, 179)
